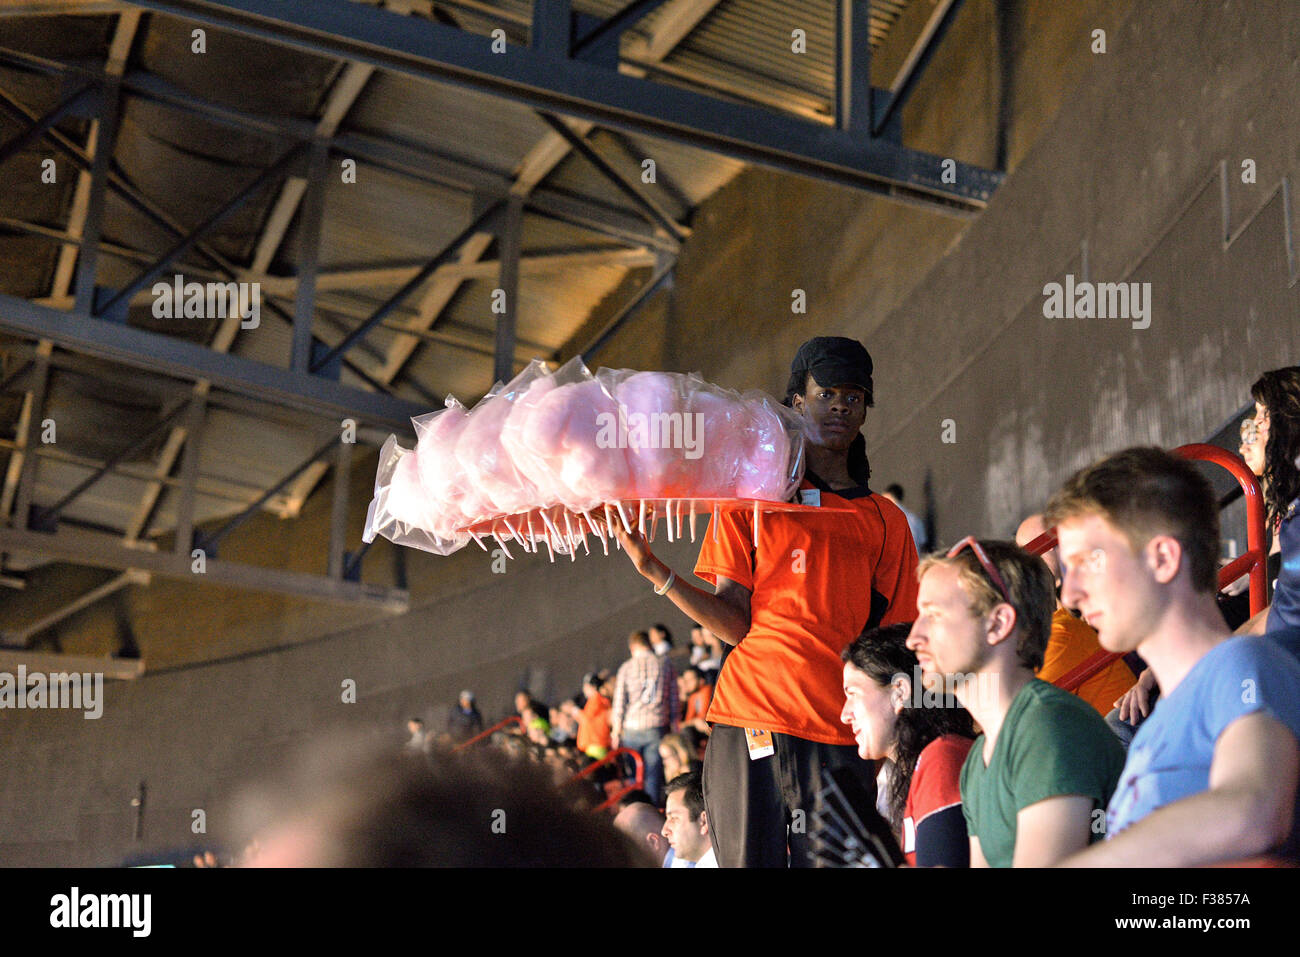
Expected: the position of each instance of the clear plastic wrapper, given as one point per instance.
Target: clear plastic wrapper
(534, 459)
(402, 511)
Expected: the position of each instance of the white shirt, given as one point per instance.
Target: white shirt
(708, 860)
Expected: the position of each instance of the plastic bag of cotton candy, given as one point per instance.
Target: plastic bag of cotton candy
(536, 457)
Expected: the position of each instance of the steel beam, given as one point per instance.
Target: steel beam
(46, 663)
(510, 239)
(352, 31)
(313, 216)
(652, 210)
(210, 541)
(900, 91)
(339, 508)
(853, 68)
(653, 284)
(191, 241)
(489, 213)
(22, 636)
(49, 514)
(107, 551)
(177, 357)
(37, 129)
(601, 42)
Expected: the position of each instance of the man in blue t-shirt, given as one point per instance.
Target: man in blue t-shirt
(1212, 774)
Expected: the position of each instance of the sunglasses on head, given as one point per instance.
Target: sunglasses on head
(983, 556)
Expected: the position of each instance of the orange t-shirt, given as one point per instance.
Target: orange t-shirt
(811, 581)
(1073, 642)
(697, 705)
(593, 726)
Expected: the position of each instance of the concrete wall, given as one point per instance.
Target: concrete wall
(1119, 149)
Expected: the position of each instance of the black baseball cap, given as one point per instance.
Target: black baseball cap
(832, 360)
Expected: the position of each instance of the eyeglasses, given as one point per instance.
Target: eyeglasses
(983, 557)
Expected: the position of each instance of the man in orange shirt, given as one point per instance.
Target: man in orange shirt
(816, 580)
(1073, 642)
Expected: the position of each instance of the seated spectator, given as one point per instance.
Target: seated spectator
(686, 823)
(677, 756)
(415, 728)
(712, 662)
(644, 823)
(661, 640)
(697, 694)
(536, 727)
(593, 721)
(1046, 760)
(923, 744)
(345, 805)
(1212, 774)
(464, 721)
(699, 649)
(564, 722)
(1270, 444)
(894, 493)
(1072, 643)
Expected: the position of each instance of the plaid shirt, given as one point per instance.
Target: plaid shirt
(645, 694)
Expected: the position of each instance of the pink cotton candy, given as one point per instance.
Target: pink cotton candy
(487, 466)
(516, 428)
(453, 498)
(765, 462)
(406, 499)
(561, 435)
(657, 431)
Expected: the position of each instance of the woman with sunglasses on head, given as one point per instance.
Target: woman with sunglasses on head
(922, 737)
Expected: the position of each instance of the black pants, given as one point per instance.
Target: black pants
(760, 812)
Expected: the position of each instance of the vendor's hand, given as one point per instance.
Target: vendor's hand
(1136, 703)
(634, 543)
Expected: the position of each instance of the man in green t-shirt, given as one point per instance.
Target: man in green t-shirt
(1035, 785)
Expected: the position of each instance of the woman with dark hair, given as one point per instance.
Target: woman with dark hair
(922, 736)
(1270, 444)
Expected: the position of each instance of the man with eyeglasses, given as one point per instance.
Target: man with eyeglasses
(1211, 775)
(1036, 782)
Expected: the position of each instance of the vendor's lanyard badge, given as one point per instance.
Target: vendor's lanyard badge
(760, 743)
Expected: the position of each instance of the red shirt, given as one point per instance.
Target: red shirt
(935, 786)
(811, 581)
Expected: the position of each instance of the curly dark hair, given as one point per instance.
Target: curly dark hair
(882, 654)
(1279, 392)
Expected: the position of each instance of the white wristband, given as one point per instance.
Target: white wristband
(663, 590)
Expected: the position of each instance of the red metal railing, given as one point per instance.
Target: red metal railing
(513, 719)
(637, 782)
(1254, 561)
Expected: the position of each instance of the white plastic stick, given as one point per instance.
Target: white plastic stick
(756, 523)
(604, 544)
(549, 549)
(679, 520)
(503, 545)
(715, 521)
(478, 541)
(670, 520)
(640, 522)
(692, 521)
(627, 526)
